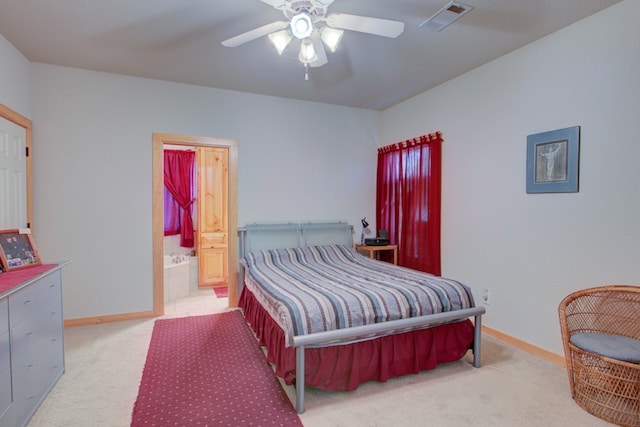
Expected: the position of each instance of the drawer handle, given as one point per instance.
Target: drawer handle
(27, 302)
(30, 365)
(27, 334)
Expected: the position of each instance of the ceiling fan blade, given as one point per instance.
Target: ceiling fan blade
(282, 4)
(324, 3)
(365, 24)
(255, 33)
(278, 4)
(320, 51)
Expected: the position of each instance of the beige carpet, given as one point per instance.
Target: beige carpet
(513, 388)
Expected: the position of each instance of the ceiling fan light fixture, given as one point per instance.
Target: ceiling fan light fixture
(280, 40)
(331, 37)
(307, 53)
(301, 25)
(317, 30)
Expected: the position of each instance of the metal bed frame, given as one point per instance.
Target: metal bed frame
(259, 236)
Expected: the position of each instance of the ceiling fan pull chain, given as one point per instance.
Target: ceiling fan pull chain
(306, 71)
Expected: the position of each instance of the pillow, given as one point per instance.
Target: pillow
(613, 346)
(261, 256)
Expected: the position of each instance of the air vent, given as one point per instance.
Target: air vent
(445, 16)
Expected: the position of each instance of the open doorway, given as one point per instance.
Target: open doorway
(159, 140)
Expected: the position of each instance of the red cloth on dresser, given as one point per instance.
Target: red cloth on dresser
(345, 367)
(10, 279)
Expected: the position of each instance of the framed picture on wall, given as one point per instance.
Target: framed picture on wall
(553, 161)
(17, 250)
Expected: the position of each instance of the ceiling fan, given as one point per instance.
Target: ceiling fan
(308, 22)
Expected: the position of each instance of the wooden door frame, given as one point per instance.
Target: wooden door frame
(20, 120)
(159, 140)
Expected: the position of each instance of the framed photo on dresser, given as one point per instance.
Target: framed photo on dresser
(17, 250)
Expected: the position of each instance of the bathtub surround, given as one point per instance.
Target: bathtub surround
(172, 246)
(176, 277)
(193, 273)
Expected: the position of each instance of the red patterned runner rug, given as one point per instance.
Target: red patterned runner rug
(209, 371)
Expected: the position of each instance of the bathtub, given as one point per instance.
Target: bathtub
(176, 277)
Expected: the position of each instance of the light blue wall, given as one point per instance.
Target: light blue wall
(312, 161)
(15, 79)
(297, 161)
(530, 250)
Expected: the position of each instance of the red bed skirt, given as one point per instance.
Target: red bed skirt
(345, 367)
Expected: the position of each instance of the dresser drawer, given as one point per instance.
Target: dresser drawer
(5, 349)
(32, 349)
(37, 357)
(31, 384)
(28, 300)
(6, 410)
(39, 336)
(5, 392)
(4, 315)
(7, 418)
(5, 352)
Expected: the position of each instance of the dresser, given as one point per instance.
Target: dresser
(31, 340)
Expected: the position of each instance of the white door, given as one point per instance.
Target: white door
(13, 175)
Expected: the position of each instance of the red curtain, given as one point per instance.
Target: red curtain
(178, 181)
(408, 200)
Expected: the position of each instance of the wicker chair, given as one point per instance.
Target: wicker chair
(600, 383)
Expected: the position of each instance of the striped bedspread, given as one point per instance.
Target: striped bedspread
(322, 288)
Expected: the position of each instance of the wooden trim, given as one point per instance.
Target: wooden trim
(157, 189)
(523, 345)
(22, 121)
(157, 222)
(232, 283)
(107, 319)
(159, 139)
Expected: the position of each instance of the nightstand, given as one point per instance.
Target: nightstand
(373, 251)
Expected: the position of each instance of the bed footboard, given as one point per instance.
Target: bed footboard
(300, 342)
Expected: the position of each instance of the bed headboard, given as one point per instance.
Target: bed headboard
(257, 236)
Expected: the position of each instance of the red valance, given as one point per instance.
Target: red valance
(11, 279)
(432, 137)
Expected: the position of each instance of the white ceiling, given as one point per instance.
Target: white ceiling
(179, 41)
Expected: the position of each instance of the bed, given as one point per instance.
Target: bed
(332, 319)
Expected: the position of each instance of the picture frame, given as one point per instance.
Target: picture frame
(17, 250)
(553, 159)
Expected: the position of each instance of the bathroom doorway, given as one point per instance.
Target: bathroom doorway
(229, 147)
